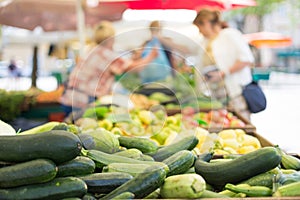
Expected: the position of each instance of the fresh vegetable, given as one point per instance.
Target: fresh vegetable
(132, 169)
(40, 129)
(143, 144)
(102, 159)
(265, 179)
(211, 194)
(67, 127)
(290, 162)
(104, 183)
(105, 141)
(88, 196)
(130, 153)
(180, 162)
(6, 129)
(31, 172)
(289, 178)
(290, 190)
(124, 195)
(250, 191)
(143, 184)
(186, 143)
(185, 186)
(154, 195)
(76, 167)
(58, 146)
(239, 169)
(58, 188)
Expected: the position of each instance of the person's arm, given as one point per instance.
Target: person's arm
(237, 66)
(140, 64)
(172, 45)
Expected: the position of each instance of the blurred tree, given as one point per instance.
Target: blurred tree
(263, 8)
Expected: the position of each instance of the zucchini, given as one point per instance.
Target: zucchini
(130, 153)
(143, 184)
(132, 169)
(58, 188)
(265, 179)
(239, 169)
(104, 183)
(184, 186)
(286, 179)
(88, 196)
(186, 143)
(180, 162)
(290, 162)
(124, 195)
(211, 194)
(79, 166)
(102, 159)
(31, 172)
(143, 144)
(58, 146)
(40, 129)
(250, 191)
(290, 190)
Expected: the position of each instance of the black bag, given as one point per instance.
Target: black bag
(255, 97)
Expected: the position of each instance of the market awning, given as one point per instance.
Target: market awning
(56, 15)
(268, 39)
(191, 4)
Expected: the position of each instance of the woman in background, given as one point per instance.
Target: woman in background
(95, 76)
(226, 60)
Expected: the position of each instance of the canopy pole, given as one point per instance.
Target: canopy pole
(80, 26)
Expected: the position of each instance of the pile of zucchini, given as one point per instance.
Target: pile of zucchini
(56, 165)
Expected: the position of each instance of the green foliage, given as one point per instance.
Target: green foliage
(263, 7)
(10, 104)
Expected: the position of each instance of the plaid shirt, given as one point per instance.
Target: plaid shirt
(94, 77)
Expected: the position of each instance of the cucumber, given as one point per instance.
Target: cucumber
(124, 195)
(132, 169)
(31, 172)
(290, 190)
(102, 159)
(186, 143)
(104, 183)
(79, 166)
(58, 146)
(143, 184)
(180, 162)
(239, 169)
(58, 188)
(143, 144)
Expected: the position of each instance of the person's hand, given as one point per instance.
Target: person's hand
(215, 76)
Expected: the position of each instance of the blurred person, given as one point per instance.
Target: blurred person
(226, 60)
(161, 67)
(95, 76)
(13, 69)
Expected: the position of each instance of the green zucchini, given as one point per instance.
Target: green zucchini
(250, 191)
(31, 172)
(290, 190)
(180, 162)
(102, 159)
(124, 195)
(211, 194)
(132, 169)
(286, 179)
(130, 153)
(265, 179)
(58, 188)
(143, 184)
(78, 166)
(239, 169)
(143, 144)
(40, 129)
(58, 146)
(186, 143)
(88, 196)
(103, 183)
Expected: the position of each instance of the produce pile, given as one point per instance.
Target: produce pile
(58, 161)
